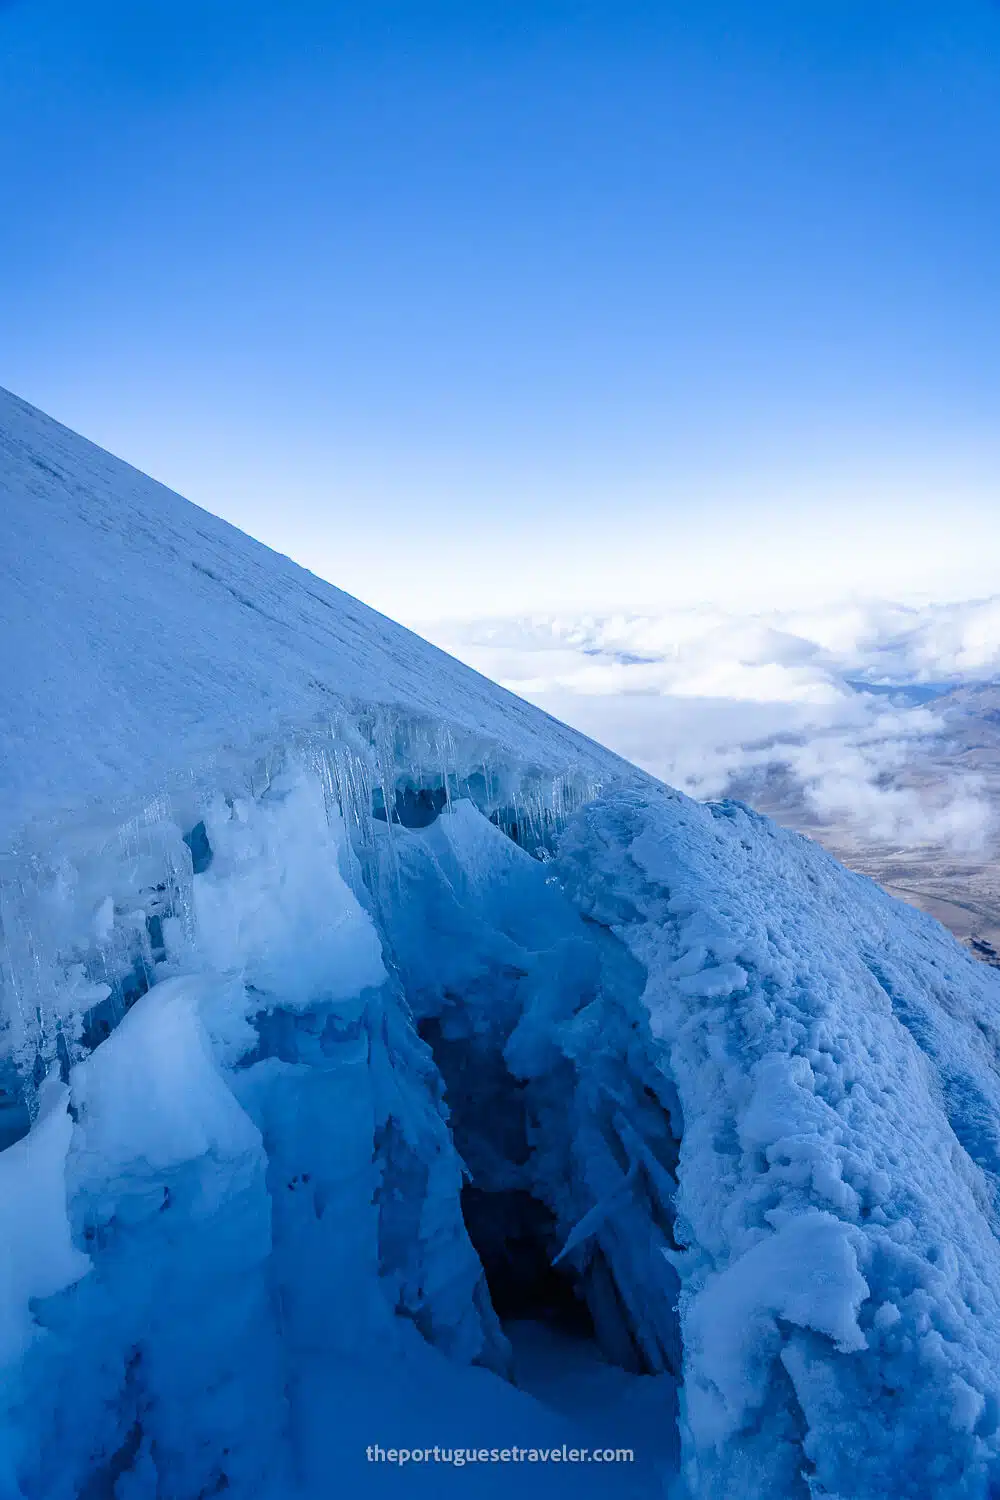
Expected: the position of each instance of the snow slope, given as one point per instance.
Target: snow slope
(141, 634)
(386, 1066)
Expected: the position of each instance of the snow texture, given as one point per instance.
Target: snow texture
(834, 1055)
(144, 637)
(384, 1063)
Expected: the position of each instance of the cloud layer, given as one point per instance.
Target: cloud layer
(837, 717)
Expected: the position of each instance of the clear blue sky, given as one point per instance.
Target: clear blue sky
(523, 304)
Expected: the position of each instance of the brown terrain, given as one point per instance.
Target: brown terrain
(961, 890)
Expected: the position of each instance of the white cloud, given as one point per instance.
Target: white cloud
(829, 705)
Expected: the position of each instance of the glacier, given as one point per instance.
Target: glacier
(385, 1066)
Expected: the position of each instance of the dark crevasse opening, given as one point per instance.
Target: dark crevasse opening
(526, 1198)
(514, 1232)
(556, 1101)
(201, 850)
(15, 1118)
(516, 1238)
(412, 806)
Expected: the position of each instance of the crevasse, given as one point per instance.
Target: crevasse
(249, 1015)
(385, 1065)
(338, 1085)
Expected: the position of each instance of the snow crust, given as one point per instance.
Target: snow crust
(834, 1056)
(146, 640)
(355, 1017)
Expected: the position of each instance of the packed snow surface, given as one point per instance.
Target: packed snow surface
(389, 1070)
(143, 635)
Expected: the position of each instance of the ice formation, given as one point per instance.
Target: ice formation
(384, 1064)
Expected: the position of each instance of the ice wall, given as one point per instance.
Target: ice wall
(240, 1170)
(88, 908)
(329, 1062)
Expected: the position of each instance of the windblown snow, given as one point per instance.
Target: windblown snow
(389, 1070)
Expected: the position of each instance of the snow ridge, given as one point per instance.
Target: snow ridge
(356, 1017)
(834, 1056)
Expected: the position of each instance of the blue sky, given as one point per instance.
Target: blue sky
(498, 305)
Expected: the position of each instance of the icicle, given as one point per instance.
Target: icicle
(596, 1216)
